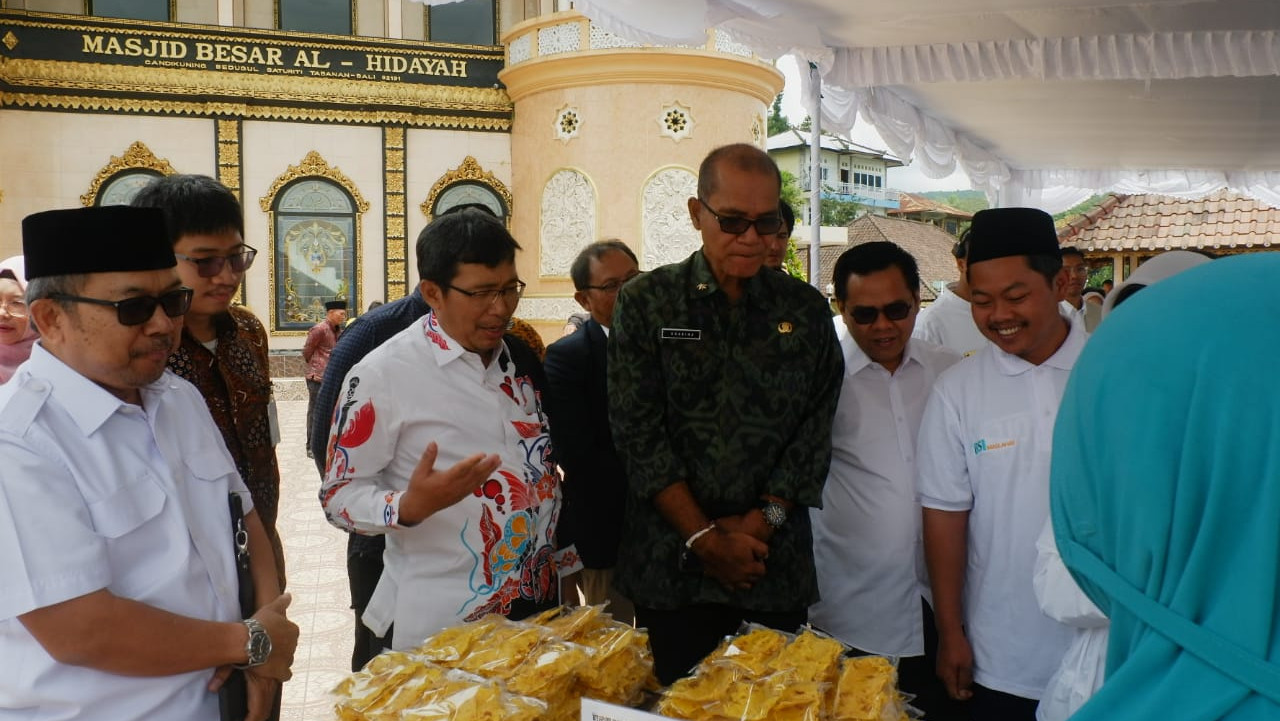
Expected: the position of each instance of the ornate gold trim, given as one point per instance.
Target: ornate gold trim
(396, 248)
(313, 165)
(190, 31)
(136, 157)
(21, 73)
(469, 171)
(227, 149)
(253, 112)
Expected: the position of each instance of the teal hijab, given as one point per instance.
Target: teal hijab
(1165, 494)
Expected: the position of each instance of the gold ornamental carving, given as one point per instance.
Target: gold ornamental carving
(21, 73)
(469, 171)
(251, 112)
(313, 166)
(137, 157)
(395, 205)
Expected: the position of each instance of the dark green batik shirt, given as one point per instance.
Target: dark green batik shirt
(737, 401)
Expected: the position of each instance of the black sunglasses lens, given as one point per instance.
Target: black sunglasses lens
(209, 267)
(136, 311)
(240, 262)
(734, 225)
(897, 311)
(864, 314)
(176, 303)
(768, 225)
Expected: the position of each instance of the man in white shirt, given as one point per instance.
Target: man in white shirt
(119, 597)
(448, 392)
(866, 536)
(1077, 272)
(948, 322)
(984, 469)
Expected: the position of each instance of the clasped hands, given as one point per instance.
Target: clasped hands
(734, 553)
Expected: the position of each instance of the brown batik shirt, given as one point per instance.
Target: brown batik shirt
(235, 381)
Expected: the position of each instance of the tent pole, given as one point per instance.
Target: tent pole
(814, 102)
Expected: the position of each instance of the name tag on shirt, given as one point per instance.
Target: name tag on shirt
(681, 334)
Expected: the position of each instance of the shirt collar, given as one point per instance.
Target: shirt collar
(855, 359)
(444, 348)
(1063, 359)
(88, 404)
(702, 282)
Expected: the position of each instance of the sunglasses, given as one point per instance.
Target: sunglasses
(209, 267)
(737, 225)
(867, 314)
(139, 309)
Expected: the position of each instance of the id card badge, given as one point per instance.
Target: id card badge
(273, 420)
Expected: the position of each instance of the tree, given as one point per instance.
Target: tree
(805, 125)
(791, 193)
(839, 213)
(778, 122)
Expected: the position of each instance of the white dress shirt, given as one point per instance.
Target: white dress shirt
(1084, 667)
(948, 322)
(866, 536)
(100, 494)
(480, 554)
(985, 444)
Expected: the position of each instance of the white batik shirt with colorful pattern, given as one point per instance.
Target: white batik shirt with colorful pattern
(484, 552)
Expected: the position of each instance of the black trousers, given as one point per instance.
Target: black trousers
(991, 705)
(363, 572)
(682, 637)
(918, 675)
(313, 387)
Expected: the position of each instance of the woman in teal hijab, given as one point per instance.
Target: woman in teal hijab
(1165, 494)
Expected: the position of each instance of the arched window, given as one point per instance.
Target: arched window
(468, 22)
(468, 194)
(315, 251)
(120, 188)
(335, 17)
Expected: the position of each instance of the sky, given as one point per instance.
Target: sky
(906, 178)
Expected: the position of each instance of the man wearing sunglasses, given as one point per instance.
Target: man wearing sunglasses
(118, 586)
(723, 378)
(866, 536)
(223, 349)
(983, 480)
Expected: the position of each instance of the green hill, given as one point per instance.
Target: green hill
(970, 201)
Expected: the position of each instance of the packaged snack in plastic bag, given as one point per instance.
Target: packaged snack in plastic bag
(867, 691)
(454, 643)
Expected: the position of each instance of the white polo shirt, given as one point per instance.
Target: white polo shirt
(866, 536)
(948, 322)
(485, 551)
(985, 444)
(99, 494)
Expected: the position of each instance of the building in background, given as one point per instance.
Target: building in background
(1124, 231)
(345, 126)
(917, 207)
(850, 173)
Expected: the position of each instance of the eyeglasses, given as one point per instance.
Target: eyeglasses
(867, 314)
(211, 266)
(1077, 269)
(510, 294)
(15, 308)
(737, 225)
(139, 309)
(613, 286)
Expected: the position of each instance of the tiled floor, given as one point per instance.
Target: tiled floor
(315, 560)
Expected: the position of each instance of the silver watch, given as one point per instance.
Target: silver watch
(258, 647)
(775, 514)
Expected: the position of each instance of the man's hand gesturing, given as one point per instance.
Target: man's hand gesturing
(431, 490)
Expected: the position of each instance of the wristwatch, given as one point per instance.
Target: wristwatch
(258, 647)
(775, 514)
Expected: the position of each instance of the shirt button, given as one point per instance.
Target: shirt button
(38, 386)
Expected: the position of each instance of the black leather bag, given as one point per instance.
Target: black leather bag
(233, 697)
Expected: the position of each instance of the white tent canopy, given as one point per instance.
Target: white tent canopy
(1039, 102)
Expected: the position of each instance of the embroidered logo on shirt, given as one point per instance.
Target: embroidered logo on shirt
(983, 446)
(785, 327)
(681, 334)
